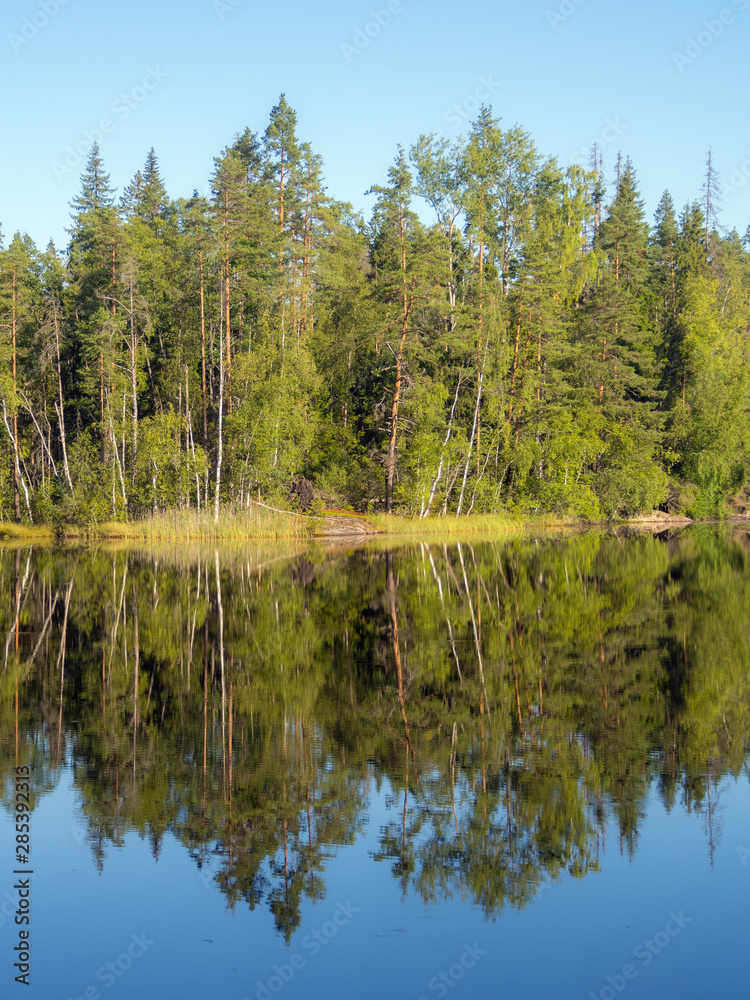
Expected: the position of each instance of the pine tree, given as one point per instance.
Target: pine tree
(282, 156)
(404, 260)
(231, 203)
(197, 226)
(309, 231)
(55, 343)
(342, 347)
(479, 171)
(273, 425)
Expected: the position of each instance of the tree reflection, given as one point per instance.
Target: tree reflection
(518, 702)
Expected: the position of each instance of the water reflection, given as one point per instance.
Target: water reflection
(518, 702)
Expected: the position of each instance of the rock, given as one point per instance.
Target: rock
(346, 527)
(659, 517)
(302, 491)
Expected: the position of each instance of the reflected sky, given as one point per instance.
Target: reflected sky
(366, 938)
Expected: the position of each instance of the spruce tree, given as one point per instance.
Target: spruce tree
(549, 423)
(620, 358)
(94, 260)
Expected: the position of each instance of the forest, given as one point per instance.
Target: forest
(502, 335)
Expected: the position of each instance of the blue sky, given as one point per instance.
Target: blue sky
(659, 81)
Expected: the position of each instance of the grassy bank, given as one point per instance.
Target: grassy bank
(265, 524)
(175, 525)
(233, 525)
(461, 527)
(261, 523)
(31, 533)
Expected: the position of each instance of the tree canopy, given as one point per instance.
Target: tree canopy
(500, 335)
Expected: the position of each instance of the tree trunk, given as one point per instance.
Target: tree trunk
(133, 384)
(514, 370)
(16, 493)
(473, 429)
(17, 465)
(103, 447)
(60, 412)
(442, 452)
(219, 455)
(227, 331)
(390, 462)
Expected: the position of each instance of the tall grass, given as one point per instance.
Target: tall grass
(233, 525)
(446, 527)
(13, 532)
(241, 524)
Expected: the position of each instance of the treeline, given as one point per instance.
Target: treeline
(534, 347)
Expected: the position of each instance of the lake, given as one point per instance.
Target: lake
(496, 768)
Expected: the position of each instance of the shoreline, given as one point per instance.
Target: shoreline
(280, 526)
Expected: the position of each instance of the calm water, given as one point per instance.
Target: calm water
(494, 769)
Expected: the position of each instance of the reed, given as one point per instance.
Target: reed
(240, 524)
(12, 532)
(234, 524)
(447, 527)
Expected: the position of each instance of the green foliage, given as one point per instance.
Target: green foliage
(531, 348)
